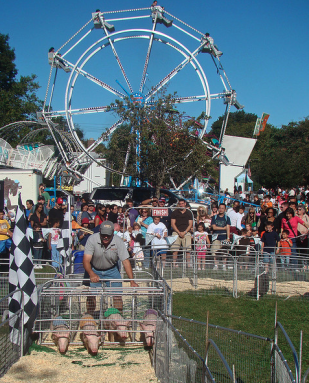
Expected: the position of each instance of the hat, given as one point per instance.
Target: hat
(162, 199)
(59, 201)
(107, 228)
(85, 220)
(90, 203)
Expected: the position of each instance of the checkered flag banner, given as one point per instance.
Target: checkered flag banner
(65, 242)
(21, 277)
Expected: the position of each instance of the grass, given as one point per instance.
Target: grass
(248, 315)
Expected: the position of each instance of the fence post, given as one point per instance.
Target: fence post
(235, 276)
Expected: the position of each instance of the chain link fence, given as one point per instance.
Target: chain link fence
(248, 353)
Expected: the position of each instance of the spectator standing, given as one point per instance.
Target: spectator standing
(113, 214)
(201, 243)
(220, 225)
(133, 213)
(84, 208)
(269, 243)
(182, 223)
(290, 223)
(38, 216)
(5, 234)
(56, 213)
(144, 220)
(284, 248)
(44, 194)
(90, 214)
(100, 214)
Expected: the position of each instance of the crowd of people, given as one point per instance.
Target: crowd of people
(271, 222)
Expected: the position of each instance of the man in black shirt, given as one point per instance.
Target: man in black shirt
(220, 225)
(181, 222)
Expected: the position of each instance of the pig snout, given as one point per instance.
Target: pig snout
(63, 344)
(92, 342)
(122, 331)
(61, 340)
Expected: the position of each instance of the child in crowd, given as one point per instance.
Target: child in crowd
(201, 242)
(284, 248)
(243, 248)
(5, 234)
(124, 234)
(158, 243)
(53, 239)
(38, 244)
(269, 243)
(83, 235)
(138, 241)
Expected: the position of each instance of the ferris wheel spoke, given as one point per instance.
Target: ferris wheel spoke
(182, 100)
(99, 82)
(141, 87)
(168, 77)
(119, 62)
(102, 138)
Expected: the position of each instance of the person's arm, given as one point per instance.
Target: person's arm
(44, 223)
(189, 227)
(173, 224)
(147, 201)
(96, 221)
(94, 278)
(31, 223)
(228, 232)
(49, 241)
(128, 269)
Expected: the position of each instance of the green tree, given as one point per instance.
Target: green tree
(167, 147)
(18, 100)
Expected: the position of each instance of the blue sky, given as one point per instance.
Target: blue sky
(265, 46)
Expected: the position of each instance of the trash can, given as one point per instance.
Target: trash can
(78, 262)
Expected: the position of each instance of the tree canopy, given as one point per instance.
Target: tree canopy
(18, 100)
(279, 156)
(159, 141)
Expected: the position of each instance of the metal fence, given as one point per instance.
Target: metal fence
(10, 350)
(248, 353)
(281, 363)
(43, 274)
(174, 359)
(70, 299)
(235, 274)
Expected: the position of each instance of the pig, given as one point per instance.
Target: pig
(89, 335)
(118, 325)
(149, 326)
(61, 336)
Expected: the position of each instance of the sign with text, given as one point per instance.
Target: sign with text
(160, 212)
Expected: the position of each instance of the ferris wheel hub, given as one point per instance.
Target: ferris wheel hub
(137, 98)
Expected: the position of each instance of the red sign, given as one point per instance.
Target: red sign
(160, 212)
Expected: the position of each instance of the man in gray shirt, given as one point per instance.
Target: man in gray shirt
(102, 252)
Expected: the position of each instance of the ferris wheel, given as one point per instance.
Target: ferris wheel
(134, 54)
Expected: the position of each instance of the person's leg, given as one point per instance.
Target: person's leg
(114, 274)
(294, 256)
(215, 246)
(174, 248)
(186, 244)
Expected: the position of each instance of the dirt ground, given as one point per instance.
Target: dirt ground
(293, 288)
(129, 365)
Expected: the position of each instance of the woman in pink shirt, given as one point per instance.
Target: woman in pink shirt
(290, 223)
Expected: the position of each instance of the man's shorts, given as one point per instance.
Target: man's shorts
(184, 242)
(112, 273)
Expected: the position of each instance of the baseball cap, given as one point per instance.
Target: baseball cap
(85, 220)
(107, 228)
(90, 203)
(59, 201)
(162, 199)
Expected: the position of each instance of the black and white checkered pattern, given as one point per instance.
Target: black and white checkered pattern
(65, 242)
(21, 276)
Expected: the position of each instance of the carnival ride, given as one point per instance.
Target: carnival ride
(128, 54)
